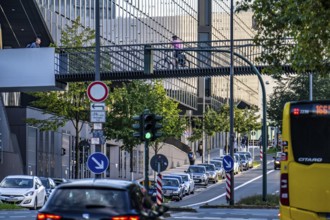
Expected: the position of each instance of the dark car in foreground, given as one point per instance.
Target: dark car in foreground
(100, 199)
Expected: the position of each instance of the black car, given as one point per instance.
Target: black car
(59, 181)
(277, 163)
(100, 199)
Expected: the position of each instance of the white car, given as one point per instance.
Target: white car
(23, 190)
(188, 182)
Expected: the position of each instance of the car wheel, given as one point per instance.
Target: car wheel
(188, 192)
(35, 206)
(193, 191)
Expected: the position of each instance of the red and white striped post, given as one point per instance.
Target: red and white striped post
(159, 193)
(260, 154)
(228, 184)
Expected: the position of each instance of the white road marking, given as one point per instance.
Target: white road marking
(224, 194)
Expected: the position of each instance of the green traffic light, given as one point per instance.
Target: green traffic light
(147, 135)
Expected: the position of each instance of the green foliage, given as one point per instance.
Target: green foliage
(295, 88)
(245, 120)
(4, 206)
(131, 99)
(306, 21)
(271, 200)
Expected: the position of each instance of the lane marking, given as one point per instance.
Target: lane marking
(224, 194)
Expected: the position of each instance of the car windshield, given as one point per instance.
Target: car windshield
(170, 182)
(196, 170)
(176, 177)
(82, 198)
(17, 183)
(242, 156)
(185, 178)
(45, 182)
(216, 163)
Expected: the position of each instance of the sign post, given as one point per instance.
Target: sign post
(97, 93)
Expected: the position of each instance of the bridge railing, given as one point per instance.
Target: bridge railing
(119, 58)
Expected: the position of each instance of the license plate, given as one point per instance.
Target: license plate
(11, 199)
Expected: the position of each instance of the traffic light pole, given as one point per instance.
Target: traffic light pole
(146, 165)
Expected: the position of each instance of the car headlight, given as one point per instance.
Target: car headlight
(277, 162)
(30, 193)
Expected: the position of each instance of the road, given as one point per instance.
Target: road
(246, 184)
(227, 214)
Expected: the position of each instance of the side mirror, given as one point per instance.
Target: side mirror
(274, 157)
(186, 171)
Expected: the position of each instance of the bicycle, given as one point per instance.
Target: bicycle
(170, 62)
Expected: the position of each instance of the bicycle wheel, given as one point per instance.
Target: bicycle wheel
(164, 64)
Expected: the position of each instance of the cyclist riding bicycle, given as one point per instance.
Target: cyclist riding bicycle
(178, 53)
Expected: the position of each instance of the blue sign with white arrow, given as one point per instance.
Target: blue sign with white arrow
(228, 163)
(97, 162)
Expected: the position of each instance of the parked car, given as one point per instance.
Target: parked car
(49, 185)
(183, 187)
(210, 169)
(100, 199)
(244, 161)
(188, 181)
(198, 173)
(237, 163)
(277, 162)
(249, 158)
(59, 181)
(219, 168)
(23, 190)
(171, 188)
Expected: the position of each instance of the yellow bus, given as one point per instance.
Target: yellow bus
(305, 165)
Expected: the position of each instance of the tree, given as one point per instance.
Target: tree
(245, 120)
(305, 21)
(295, 88)
(131, 99)
(71, 105)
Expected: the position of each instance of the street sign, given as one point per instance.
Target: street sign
(97, 162)
(97, 91)
(98, 133)
(95, 140)
(98, 116)
(98, 106)
(228, 163)
(97, 126)
(159, 161)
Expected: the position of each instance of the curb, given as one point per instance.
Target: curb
(182, 209)
(238, 207)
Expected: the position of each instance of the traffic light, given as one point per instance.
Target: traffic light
(148, 124)
(137, 126)
(156, 126)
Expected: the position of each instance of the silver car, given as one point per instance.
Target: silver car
(211, 171)
(199, 175)
(188, 181)
(172, 188)
(219, 168)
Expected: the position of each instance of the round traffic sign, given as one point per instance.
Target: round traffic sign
(97, 91)
(159, 163)
(228, 163)
(97, 162)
